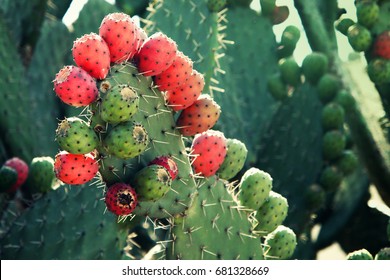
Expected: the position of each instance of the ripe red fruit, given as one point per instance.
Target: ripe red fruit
(21, 169)
(168, 163)
(209, 148)
(121, 199)
(156, 54)
(90, 52)
(75, 87)
(75, 169)
(185, 95)
(120, 32)
(199, 117)
(382, 45)
(141, 38)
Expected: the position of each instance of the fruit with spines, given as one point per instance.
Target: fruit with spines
(330, 178)
(383, 254)
(328, 86)
(75, 87)
(348, 162)
(75, 169)
(345, 99)
(91, 53)
(367, 13)
(141, 38)
(76, 136)
(8, 177)
(382, 45)
(41, 175)
(168, 163)
(199, 117)
(156, 54)
(152, 182)
(280, 244)
(184, 96)
(21, 168)
(315, 197)
(176, 75)
(121, 199)
(255, 187)
(119, 104)
(127, 140)
(276, 87)
(359, 255)
(333, 144)
(343, 24)
(359, 37)
(378, 70)
(332, 116)
(209, 151)
(271, 214)
(314, 66)
(235, 159)
(288, 41)
(120, 33)
(290, 71)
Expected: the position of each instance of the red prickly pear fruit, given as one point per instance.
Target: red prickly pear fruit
(382, 45)
(156, 54)
(280, 14)
(119, 32)
(209, 149)
(168, 163)
(90, 52)
(184, 96)
(176, 75)
(121, 199)
(21, 169)
(199, 117)
(75, 169)
(141, 38)
(75, 87)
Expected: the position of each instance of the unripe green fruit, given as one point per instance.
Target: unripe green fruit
(315, 197)
(330, 178)
(367, 13)
(348, 162)
(383, 254)
(333, 144)
(41, 175)
(359, 37)
(328, 86)
(332, 116)
(379, 71)
(361, 254)
(277, 87)
(290, 36)
(290, 71)
(345, 99)
(343, 24)
(234, 159)
(280, 244)
(8, 177)
(314, 66)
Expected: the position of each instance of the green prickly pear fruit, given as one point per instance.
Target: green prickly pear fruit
(343, 24)
(76, 136)
(333, 144)
(348, 162)
(280, 244)
(127, 140)
(277, 87)
(8, 177)
(255, 187)
(119, 104)
(314, 66)
(378, 70)
(345, 99)
(41, 175)
(152, 182)
(290, 71)
(332, 116)
(359, 37)
(272, 213)
(216, 5)
(361, 254)
(328, 86)
(267, 7)
(315, 197)
(235, 159)
(383, 254)
(290, 36)
(367, 13)
(330, 178)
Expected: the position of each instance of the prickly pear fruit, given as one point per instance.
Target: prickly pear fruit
(280, 14)
(290, 36)
(156, 54)
(75, 87)
(176, 75)
(383, 254)
(168, 163)
(359, 37)
(332, 116)
(8, 177)
(328, 86)
(333, 144)
(120, 33)
(290, 71)
(345, 99)
(119, 104)
(76, 136)
(152, 182)
(216, 5)
(41, 175)
(348, 162)
(382, 45)
(277, 87)
(314, 66)
(199, 117)
(378, 70)
(235, 159)
(255, 186)
(280, 244)
(267, 7)
(184, 96)
(330, 178)
(272, 213)
(361, 254)
(314, 197)
(343, 24)
(21, 169)
(75, 169)
(367, 13)
(141, 38)
(127, 140)
(90, 52)
(121, 199)
(209, 149)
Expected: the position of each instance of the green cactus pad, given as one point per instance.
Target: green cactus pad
(276, 87)
(255, 186)
(216, 5)
(280, 244)
(314, 66)
(113, 169)
(213, 228)
(361, 254)
(234, 160)
(41, 175)
(8, 177)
